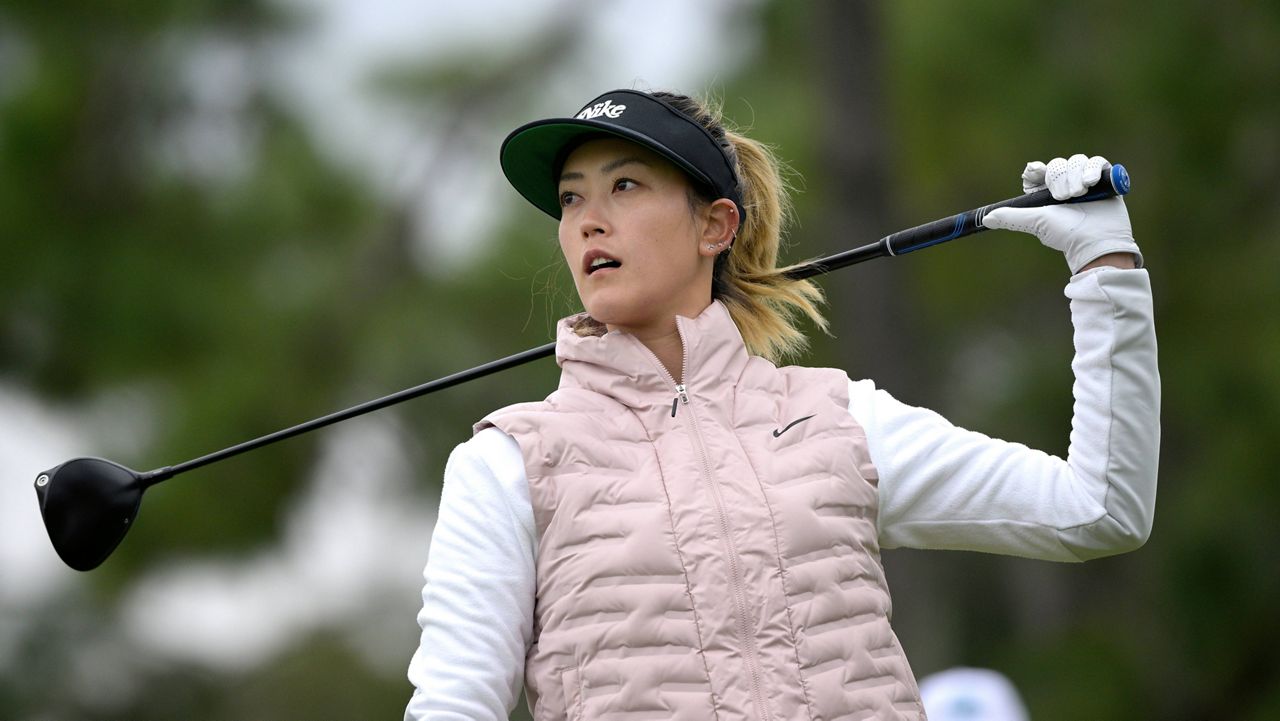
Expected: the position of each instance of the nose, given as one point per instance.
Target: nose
(591, 221)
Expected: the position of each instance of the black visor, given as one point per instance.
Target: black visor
(533, 153)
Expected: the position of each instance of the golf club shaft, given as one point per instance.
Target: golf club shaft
(511, 361)
(1114, 182)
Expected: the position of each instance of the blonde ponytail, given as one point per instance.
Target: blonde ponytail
(764, 303)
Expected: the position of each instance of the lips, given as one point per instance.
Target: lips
(595, 259)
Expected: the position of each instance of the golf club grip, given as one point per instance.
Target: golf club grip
(1114, 181)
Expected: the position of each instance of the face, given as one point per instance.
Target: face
(636, 247)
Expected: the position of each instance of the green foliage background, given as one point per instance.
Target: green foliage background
(246, 303)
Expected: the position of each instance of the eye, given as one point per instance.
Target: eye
(624, 184)
(567, 198)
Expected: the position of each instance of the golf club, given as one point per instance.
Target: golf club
(88, 504)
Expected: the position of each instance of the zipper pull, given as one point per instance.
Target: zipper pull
(681, 397)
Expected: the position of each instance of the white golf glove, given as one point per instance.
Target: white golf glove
(1083, 232)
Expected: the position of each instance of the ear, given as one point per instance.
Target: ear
(720, 227)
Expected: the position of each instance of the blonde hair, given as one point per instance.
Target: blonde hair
(763, 301)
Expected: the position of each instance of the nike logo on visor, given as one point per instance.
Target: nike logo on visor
(777, 433)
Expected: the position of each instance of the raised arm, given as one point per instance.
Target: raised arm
(945, 487)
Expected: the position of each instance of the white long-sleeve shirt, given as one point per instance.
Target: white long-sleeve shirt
(940, 487)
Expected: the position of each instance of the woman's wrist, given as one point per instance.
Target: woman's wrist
(1115, 260)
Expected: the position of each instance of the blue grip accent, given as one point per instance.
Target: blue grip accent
(955, 233)
(1120, 179)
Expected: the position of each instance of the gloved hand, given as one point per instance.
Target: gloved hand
(1084, 232)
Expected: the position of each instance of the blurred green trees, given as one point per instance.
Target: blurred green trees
(239, 280)
(234, 288)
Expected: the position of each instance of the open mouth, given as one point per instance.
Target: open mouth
(597, 260)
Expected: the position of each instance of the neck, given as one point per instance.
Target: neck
(670, 351)
(662, 338)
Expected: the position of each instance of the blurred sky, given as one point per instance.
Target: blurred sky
(249, 610)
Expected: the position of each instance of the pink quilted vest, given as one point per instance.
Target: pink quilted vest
(706, 551)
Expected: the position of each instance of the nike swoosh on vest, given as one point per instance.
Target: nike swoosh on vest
(777, 433)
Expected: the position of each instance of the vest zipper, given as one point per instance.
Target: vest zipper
(749, 651)
(681, 397)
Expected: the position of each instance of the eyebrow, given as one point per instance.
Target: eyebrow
(608, 167)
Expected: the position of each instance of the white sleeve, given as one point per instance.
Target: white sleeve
(477, 604)
(943, 487)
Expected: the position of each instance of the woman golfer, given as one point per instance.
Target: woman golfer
(684, 530)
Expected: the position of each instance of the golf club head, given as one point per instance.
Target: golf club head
(88, 504)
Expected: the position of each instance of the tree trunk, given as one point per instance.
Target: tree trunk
(871, 312)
